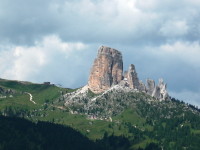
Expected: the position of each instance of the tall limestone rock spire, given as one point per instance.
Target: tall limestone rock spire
(107, 70)
(150, 86)
(132, 77)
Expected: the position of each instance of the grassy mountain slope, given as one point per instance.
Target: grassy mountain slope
(135, 116)
(18, 96)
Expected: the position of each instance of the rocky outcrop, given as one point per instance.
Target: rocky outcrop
(163, 90)
(132, 78)
(156, 92)
(150, 86)
(159, 91)
(142, 87)
(106, 71)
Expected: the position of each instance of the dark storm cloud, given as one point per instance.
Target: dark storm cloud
(24, 21)
(88, 21)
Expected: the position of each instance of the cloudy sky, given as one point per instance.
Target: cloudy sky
(57, 40)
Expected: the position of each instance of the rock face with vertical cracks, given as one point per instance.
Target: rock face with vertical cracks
(132, 77)
(107, 70)
(158, 91)
(150, 86)
(161, 91)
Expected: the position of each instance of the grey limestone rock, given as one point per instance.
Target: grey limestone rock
(142, 87)
(160, 91)
(150, 86)
(156, 92)
(163, 89)
(132, 77)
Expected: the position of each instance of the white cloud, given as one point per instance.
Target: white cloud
(127, 21)
(188, 52)
(174, 28)
(30, 63)
(179, 51)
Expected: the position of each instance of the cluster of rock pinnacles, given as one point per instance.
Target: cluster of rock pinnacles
(107, 71)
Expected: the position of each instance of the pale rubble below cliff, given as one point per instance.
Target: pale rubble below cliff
(76, 97)
(106, 104)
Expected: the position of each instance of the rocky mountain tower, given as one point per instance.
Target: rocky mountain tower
(107, 70)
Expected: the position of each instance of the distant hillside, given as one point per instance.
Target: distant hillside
(17, 94)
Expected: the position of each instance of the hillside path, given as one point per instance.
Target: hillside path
(31, 97)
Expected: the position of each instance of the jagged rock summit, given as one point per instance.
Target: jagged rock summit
(107, 71)
(131, 77)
